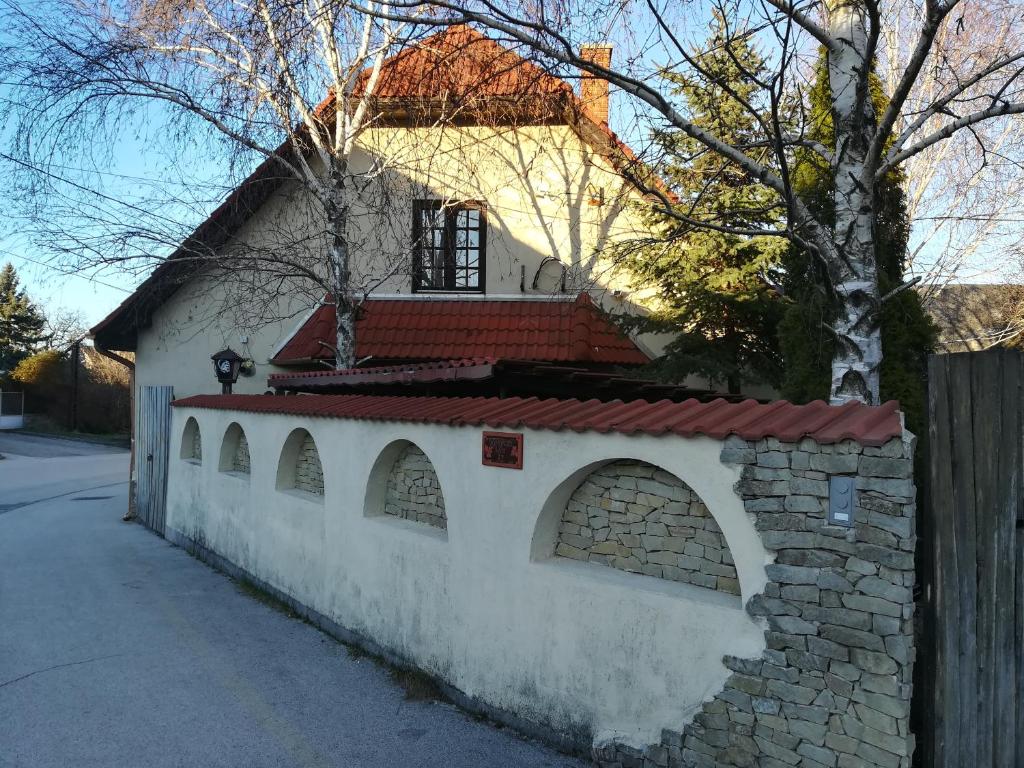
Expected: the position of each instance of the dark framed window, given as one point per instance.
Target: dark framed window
(450, 246)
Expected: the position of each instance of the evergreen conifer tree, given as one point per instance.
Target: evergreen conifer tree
(716, 289)
(908, 333)
(21, 322)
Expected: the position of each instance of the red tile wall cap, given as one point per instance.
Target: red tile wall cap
(750, 420)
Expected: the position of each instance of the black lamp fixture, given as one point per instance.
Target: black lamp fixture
(227, 364)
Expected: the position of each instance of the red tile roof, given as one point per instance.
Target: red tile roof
(868, 425)
(445, 329)
(460, 63)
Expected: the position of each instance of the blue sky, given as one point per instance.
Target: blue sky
(134, 163)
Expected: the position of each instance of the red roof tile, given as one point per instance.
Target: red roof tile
(458, 63)
(868, 425)
(445, 329)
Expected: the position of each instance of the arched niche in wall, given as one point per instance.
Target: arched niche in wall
(234, 451)
(192, 442)
(404, 484)
(299, 466)
(637, 517)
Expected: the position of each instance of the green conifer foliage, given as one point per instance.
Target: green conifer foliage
(908, 333)
(21, 322)
(716, 289)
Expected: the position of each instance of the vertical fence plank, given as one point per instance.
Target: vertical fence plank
(945, 706)
(1019, 641)
(986, 381)
(1007, 483)
(965, 537)
(975, 516)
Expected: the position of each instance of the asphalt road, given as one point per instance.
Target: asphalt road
(118, 649)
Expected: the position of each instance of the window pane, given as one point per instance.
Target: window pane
(450, 246)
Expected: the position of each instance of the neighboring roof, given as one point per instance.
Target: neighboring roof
(447, 61)
(750, 420)
(975, 317)
(446, 329)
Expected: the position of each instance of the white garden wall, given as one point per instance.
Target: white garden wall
(577, 647)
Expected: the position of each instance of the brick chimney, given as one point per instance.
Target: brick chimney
(594, 90)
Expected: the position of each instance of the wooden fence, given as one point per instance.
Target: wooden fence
(973, 571)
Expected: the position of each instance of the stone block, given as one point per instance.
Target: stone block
(828, 648)
(803, 504)
(874, 586)
(807, 661)
(792, 625)
(792, 574)
(851, 638)
(841, 616)
(873, 605)
(835, 464)
(775, 459)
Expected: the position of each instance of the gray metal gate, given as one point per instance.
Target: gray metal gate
(153, 454)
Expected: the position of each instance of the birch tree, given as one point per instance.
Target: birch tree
(987, 90)
(289, 81)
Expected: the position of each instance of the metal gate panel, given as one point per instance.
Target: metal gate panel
(153, 456)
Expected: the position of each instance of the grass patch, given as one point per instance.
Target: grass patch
(355, 652)
(261, 595)
(48, 429)
(418, 685)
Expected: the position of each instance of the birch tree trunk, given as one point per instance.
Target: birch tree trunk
(337, 209)
(858, 357)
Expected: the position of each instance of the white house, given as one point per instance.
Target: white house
(510, 203)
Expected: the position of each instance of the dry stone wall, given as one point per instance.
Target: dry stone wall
(636, 517)
(414, 492)
(309, 474)
(833, 686)
(240, 459)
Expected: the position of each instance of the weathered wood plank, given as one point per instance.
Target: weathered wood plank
(986, 382)
(1005, 598)
(964, 554)
(1019, 640)
(945, 745)
(976, 525)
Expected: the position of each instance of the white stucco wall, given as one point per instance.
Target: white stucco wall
(574, 646)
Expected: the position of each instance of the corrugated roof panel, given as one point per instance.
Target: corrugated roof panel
(868, 425)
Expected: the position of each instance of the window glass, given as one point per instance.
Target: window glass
(449, 246)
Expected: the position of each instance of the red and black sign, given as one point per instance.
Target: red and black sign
(503, 449)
